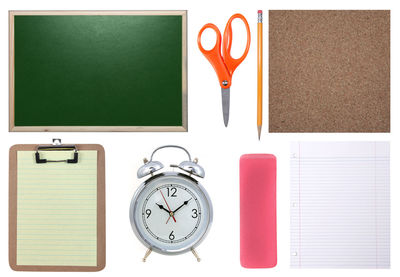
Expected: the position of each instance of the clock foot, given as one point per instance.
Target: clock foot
(196, 255)
(148, 252)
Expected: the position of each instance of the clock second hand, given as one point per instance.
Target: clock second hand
(169, 209)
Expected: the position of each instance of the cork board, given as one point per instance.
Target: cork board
(57, 210)
(329, 71)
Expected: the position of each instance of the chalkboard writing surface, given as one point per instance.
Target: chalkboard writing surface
(98, 71)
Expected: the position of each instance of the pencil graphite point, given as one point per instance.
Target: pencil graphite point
(259, 131)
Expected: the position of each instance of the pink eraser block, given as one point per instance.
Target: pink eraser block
(258, 210)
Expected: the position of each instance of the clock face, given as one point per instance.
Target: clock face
(171, 213)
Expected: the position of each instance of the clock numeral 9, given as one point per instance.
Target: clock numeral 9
(171, 192)
(194, 215)
(172, 236)
(148, 213)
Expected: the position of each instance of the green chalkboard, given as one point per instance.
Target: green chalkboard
(98, 71)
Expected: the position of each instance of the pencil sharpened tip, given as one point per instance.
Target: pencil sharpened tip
(259, 131)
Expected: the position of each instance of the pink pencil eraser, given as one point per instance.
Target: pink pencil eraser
(259, 11)
(258, 211)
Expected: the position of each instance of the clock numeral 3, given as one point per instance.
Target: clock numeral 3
(171, 192)
(148, 213)
(194, 215)
(172, 236)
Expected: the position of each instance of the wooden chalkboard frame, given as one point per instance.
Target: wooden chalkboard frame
(13, 128)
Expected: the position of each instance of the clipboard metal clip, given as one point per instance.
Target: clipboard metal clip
(56, 146)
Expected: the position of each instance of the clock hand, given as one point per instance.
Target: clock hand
(162, 207)
(169, 209)
(184, 203)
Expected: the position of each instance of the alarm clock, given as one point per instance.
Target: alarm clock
(171, 213)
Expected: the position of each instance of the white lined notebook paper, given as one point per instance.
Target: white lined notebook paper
(340, 205)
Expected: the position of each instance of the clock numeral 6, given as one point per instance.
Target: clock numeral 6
(194, 215)
(171, 192)
(172, 236)
(148, 213)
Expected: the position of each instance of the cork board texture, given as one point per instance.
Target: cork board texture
(329, 71)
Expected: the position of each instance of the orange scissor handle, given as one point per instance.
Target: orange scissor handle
(230, 62)
(214, 56)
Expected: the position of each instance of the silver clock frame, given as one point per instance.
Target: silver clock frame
(134, 223)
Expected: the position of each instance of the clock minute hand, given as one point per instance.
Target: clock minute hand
(173, 212)
(184, 203)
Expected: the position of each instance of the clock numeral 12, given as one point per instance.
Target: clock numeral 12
(171, 192)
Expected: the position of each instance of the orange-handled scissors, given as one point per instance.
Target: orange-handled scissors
(224, 65)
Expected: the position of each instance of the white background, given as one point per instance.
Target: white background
(218, 148)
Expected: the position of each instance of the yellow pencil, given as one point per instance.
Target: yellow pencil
(259, 72)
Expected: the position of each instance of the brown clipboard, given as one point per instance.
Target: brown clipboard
(101, 222)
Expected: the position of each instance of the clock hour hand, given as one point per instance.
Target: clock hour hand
(184, 203)
(162, 208)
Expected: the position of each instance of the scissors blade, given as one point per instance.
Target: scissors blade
(225, 104)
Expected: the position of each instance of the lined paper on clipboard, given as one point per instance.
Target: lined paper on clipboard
(57, 210)
(340, 205)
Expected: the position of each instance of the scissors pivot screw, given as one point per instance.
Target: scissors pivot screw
(225, 83)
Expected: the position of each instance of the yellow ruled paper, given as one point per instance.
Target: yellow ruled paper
(57, 209)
